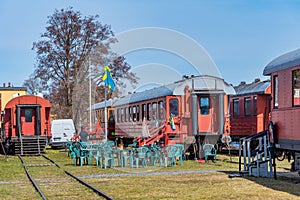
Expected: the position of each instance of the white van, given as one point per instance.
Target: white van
(62, 131)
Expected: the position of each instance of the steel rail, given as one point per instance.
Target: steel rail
(38, 189)
(99, 192)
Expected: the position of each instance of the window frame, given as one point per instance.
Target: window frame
(28, 112)
(247, 106)
(255, 105)
(204, 109)
(295, 81)
(149, 106)
(236, 108)
(275, 92)
(144, 111)
(161, 109)
(176, 111)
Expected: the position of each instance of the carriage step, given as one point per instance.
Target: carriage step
(30, 145)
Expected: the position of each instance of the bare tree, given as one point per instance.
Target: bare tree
(65, 53)
(34, 85)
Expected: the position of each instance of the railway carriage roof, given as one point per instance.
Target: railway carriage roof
(285, 61)
(204, 82)
(102, 104)
(146, 95)
(252, 88)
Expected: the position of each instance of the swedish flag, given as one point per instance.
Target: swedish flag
(107, 78)
(171, 122)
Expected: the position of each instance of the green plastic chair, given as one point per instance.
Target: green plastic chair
(80, 152)
(169, 155)
(117, 156)
(94, 153)
(127, 155)
(155, 155)
(108, 158)
(179, 152)
(209, 152)
(72, 154)
(141, 155)
(68, 147)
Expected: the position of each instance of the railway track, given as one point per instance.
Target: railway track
(53, 182)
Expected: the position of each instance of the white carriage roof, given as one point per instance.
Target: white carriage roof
(285, 61)
(206, 83)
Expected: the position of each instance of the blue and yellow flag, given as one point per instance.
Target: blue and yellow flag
(172, 124)
(107, 78)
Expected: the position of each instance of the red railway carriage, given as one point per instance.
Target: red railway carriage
(250, 108)
(188, 111)
(26, 124)
(285, 106)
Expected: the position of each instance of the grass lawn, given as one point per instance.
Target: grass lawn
(192, 180)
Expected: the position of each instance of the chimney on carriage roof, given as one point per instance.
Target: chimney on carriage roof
(243, 83)
(3, 84)
(8, 84)
(257, 80)
(185, 77)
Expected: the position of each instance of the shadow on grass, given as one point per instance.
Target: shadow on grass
(286, 181)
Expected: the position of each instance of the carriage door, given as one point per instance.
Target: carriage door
(208, 117)
(173, 109)
(28, 121)
(208, 114)
(205, 115)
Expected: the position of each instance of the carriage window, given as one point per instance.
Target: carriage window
(204, 106)
(144, 111)
(247, 105)
(98, 116)
(102, 114)
(236, 111)
(122, 114)
(118, 115)
(130, 113)
(296, 87)
(275, 89)
(254, 105)
(97, 112)
(149, 111)
(111, 115)
(134, 113)
(173, 103)
(161, 109)
(154, 106)
(126, 114)
(28, 115)
(137, 113)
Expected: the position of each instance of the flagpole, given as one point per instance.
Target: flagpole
(105, 114)
(107, 78)
(90, 84)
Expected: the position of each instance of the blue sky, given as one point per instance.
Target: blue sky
(240, 36)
